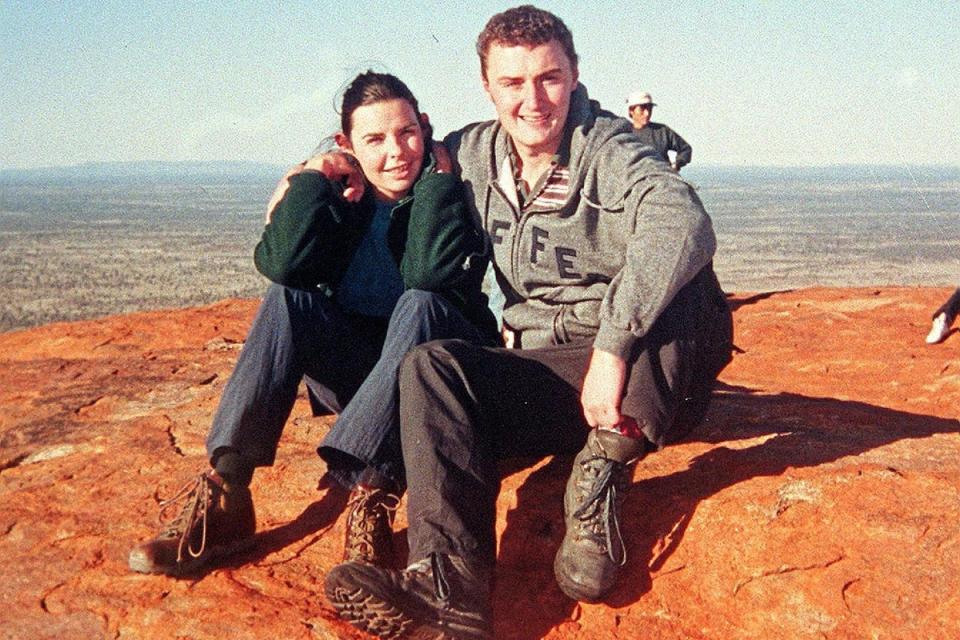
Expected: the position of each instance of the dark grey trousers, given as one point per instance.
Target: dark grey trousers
(951, 307)
(465, 407)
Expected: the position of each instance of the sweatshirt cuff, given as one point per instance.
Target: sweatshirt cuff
(309, 179)
(616, 341)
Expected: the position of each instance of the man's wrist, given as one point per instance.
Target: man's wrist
(615, 341)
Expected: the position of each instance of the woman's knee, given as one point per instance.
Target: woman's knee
(417, 302)
(294, 304)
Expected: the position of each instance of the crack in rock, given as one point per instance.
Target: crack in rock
(174, 443)
(13, 462)
(843, 591)
(784, 569)
(47, 594)
(87, 405)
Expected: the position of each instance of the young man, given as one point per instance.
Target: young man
(620, 327)
(640, 106)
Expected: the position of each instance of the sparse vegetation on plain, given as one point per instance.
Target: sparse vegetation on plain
(77, 252)
(96, 244)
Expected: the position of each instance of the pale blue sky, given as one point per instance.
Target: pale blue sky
(783, 83)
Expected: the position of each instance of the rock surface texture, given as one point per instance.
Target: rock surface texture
(821, 499)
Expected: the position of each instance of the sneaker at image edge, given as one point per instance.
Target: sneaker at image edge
(939, 330)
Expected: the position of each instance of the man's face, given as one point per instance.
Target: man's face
(640, 115)
(530, 88)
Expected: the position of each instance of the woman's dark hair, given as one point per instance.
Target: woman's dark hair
(370, 87)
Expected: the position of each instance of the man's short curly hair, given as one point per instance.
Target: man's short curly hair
(527, 26)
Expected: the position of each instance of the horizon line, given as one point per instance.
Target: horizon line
(705, 165)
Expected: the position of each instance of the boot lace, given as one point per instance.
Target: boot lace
(598, 516)
(195, 497)
(371, 514)
(441, 585)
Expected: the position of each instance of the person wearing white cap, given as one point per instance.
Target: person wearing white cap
(659, 136)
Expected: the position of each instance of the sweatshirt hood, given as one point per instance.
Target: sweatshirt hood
(587, 128)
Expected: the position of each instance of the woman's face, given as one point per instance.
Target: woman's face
(387, 141)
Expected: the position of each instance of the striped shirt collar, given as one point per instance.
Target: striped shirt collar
(552, 187)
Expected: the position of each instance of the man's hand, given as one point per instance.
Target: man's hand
(442, 156)
(603, 389)
(281, 190)
(334, 165)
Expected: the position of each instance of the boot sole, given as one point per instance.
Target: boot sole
(141, 564)
(368, 611)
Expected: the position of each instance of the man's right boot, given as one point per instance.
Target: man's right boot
(589, 559)
(440, 596)
(215, 520)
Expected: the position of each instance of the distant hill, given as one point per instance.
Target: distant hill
(154, 171)
(147, 171)
(841, 173)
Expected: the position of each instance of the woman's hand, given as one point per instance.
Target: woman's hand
(603, 389)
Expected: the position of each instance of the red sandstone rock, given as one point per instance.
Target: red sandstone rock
(820, 499)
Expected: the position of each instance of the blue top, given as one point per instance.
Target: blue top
(372, 283)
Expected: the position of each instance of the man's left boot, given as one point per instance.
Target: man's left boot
(589, 559)
(441, 596)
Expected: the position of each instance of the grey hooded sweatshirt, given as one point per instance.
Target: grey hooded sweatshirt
(607, 262)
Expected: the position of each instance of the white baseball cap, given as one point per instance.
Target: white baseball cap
(640, 97)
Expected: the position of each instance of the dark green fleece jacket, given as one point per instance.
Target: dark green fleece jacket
(314, 232)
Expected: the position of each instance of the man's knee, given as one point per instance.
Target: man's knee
(432, 365)
(421, 360)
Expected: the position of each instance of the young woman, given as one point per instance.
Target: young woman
(363, 270)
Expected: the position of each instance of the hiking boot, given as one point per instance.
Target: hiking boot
(592, 552)
(438, 597)
(215, 520)
(369, 537)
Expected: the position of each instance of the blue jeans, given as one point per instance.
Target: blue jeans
(351, 364)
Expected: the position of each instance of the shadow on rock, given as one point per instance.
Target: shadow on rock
(797, 431)
(528, 602)
(317, 517)
(735, 303)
